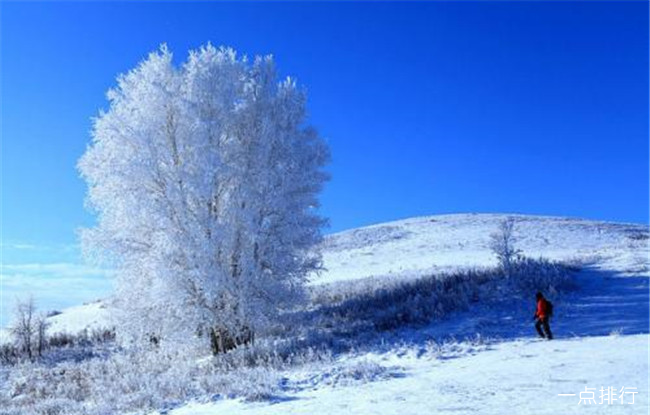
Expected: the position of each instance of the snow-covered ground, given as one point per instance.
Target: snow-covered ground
(520, 377)
(601, 342)
(451, 241)
(84, 317)
(90, 316)
(415, 246)
(601, 329)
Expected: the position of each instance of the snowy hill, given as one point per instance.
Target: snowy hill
(484, 359)
(601, 329)
(415, 246)
(461, 240)
(526, 375)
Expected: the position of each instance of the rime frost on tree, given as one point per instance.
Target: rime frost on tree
(502, 244)
(29, 329)
(205, 180)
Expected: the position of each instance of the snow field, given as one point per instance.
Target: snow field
(601, 329)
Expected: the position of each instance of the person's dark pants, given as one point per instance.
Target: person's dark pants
(543, 322)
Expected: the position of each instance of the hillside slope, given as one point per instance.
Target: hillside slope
(431, 244)
(450, 241)
(601, 329)
(482, 359)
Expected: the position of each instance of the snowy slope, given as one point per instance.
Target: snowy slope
(84, 317)
(524, 376)
(444, 242)
(91, 316)
(601, 330)
(451, 241)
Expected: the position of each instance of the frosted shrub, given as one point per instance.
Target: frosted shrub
(362, 371)
(411, 302)
(9, 354)
(380, 304)
(136, 381)
(451, 347)
(531, 275)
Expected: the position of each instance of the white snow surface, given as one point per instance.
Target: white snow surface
(431, 244)
(73, 320)
(602, 331)
(84, 317)
(447, 242)
(519, 377)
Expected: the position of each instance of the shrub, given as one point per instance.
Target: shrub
(638, 235)
(58, 340)
(9, 354)
(130, 381)
(530, 275)
(387, 304)
(410, 302)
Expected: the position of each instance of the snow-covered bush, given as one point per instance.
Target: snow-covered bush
(9, 354)
(531, 275)
(132, 381)
(62, 347)
(362, 371)
(382, 304)
(205, 179)
(348, 373)
(451, 347)
(417, 301)
(638, 235)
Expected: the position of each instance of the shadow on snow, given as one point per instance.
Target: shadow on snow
(604, 303)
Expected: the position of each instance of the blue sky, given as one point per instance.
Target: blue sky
(429, 107)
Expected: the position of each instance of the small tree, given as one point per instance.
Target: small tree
(41, 325)
(24, 327)
(502, 244)
(29, 329)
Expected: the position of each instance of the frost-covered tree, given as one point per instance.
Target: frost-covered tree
(205, 179)
(29, 329)
(502, 244)
(23, 328)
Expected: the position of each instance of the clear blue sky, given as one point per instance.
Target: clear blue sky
(429, 108)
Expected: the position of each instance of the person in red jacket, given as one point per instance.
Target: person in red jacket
(542, 316)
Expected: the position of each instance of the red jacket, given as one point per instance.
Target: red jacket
(542, 308)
